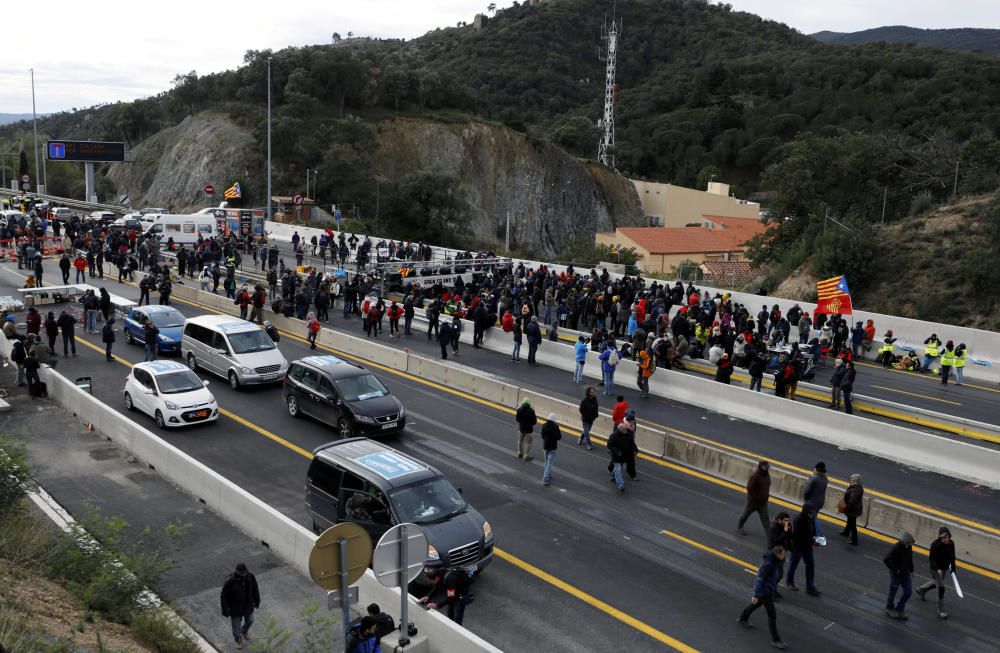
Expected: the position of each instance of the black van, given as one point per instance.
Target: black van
(344, 395)
(363, 481)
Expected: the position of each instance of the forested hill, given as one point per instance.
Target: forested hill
(962, 39)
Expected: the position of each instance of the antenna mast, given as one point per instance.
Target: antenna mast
(606, 148)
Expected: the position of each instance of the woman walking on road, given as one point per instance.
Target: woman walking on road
(852, 507)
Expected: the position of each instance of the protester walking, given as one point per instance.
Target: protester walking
(609, 361)
(533, 334)
(814, 495)
(618, 445)
(240, 596)
(580, 354)
(758, 494)
(847, 386)
(444, 338)
(551, 434)
(757, 366)
(803, 532)
(526, 420)
(66, 324)
(108, 337)
(764, 590)
(900, 564)
(852, 507)
(515, 354)
(646, 368)
(836, 379)
(589, 412)
(942, 561)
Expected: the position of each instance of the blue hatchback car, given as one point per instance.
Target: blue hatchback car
(168, 320)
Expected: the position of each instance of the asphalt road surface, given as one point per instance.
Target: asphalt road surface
(580, 566)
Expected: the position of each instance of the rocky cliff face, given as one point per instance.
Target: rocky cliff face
(552, 197)
(172, 167)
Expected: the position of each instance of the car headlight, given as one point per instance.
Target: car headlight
(211, 399)
(402, 412)
(365, 419)
(163, 338)
(246, 370)
(432, 553)
(487, 532)
(170, 405)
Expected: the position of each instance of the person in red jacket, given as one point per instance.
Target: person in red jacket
(618, 414)
(394, 312)
(80, 264)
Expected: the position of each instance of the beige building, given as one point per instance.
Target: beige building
(662, 249)
(666, 205)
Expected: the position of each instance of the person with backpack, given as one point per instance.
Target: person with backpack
(312, 329)
(609, 361)
(580, 353)
(362, 639)
(243, 301)
(17, 356)
(646, 368)
(394, 312)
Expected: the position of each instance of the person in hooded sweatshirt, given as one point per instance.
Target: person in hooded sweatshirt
(758, 493)
(764, 589)
(942, 561)
(900, 564)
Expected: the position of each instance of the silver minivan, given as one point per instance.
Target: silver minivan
(234, 349)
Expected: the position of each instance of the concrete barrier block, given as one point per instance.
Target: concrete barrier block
(426, 368)
(650, 441)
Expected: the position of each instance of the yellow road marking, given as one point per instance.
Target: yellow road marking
(658, 461)
(715, 552)
(921, 375)
(610, 610)
(915, 394)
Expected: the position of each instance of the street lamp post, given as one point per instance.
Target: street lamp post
(34, 120)
(269, 215)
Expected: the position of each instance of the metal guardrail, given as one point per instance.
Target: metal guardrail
(71, 203)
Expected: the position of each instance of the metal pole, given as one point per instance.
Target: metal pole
(885, 196)
(954, 192)
(404, 595)
(269, 214)
(507, 241)
(345, 603)
(34, 120)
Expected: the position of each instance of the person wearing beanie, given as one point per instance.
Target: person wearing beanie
(814, 495)
(853, 507)
(239, 598)
(961, 357)
(900, 564)
(526, 420)
(942, 561)
(550, 439)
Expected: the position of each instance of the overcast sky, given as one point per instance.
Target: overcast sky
(87, 53)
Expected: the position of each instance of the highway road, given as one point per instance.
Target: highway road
(582, 567)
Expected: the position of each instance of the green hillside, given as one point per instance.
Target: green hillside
(962, 39)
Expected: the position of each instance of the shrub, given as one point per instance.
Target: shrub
(14, 479)
(156, 628)
(921, 203)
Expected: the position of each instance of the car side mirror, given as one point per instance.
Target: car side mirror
(460, 490)
(222, 351)
(205, 383)
(149, 391)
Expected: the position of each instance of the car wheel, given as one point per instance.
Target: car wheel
(344, 428)
(293, 406)
(129, 340)
(160, 422)
(128, 402)
(234, 381)
(192, 363)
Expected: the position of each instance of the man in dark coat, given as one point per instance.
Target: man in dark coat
(526, 420)
(239, 598)
(803, 531)
(764, 589)
(551, 434)
(619, 444)
(758, 493)
(900, 564)
(533, 334)
(942, 561)
(444, 338)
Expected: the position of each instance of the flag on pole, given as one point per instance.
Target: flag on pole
(615, 249)
(833, 297)
(233, 192)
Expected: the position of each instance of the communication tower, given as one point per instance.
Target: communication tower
(609, 33)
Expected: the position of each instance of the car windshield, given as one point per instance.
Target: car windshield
(245, 342)
(177, 382)
(359, 388)
(167, 319)
(429, 501)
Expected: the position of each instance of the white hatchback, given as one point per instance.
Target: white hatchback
(170, 393)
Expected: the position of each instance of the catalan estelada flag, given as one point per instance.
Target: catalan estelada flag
(233, 192)
(833, 297)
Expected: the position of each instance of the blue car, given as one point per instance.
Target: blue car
(168, 320)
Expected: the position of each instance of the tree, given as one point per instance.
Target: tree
(336, 37)
(492, 7)
(425, 205)
(186, 90)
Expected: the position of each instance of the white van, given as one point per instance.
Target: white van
(234, 349)
(184, 229)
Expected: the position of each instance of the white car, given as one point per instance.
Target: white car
(170, 393)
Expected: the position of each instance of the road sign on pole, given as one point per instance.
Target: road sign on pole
(339, 558)
(398, 559)
(297, 199)
(209, 190)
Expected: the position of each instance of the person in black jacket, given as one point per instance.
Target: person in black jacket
(108, 337)
(847, 386)
(240, 596)
(589, 412)
(803, 531)
(443, 337)
(551, 434)
(942, 560)
(533, 334)
(66, 323)
(900, 564)
(384, 623)
(853, 507)
(526, 421)
(51, 331)
(764, 589)
(757, 366)
(619, 444)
